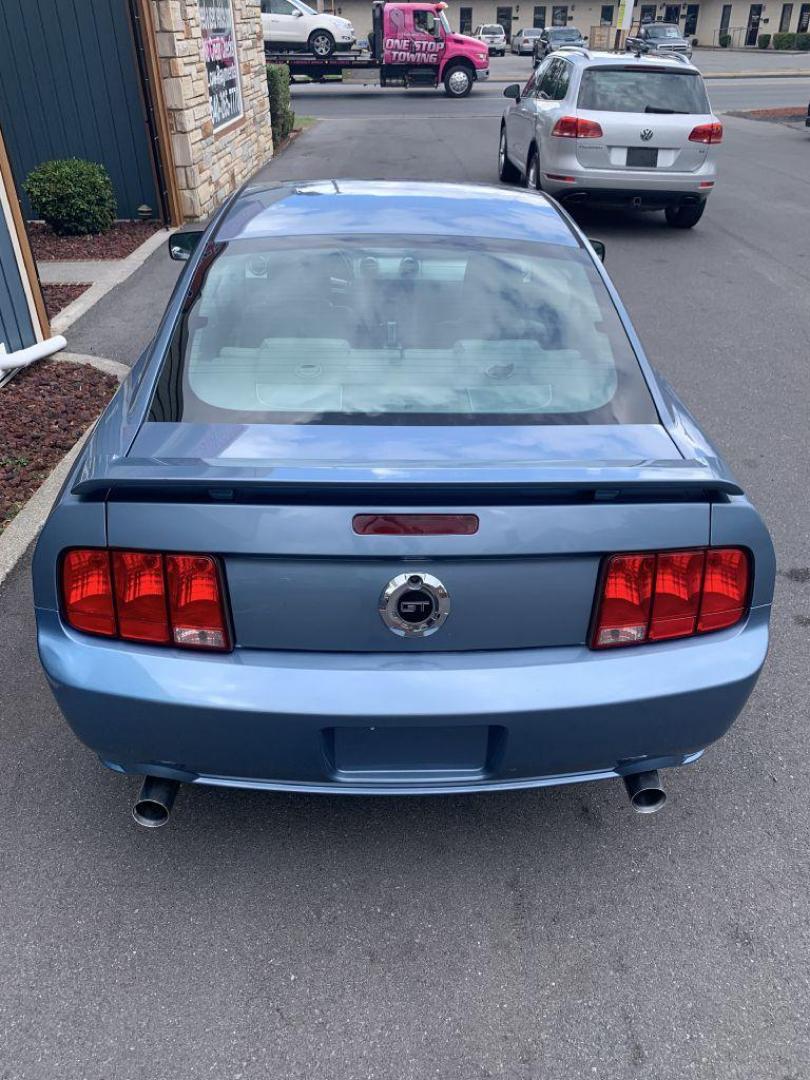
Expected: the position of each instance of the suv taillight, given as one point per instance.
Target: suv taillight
(575, 127)
(711, 134)
(670, 594)
(146, 596)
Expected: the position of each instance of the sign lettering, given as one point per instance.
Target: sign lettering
(221, 61)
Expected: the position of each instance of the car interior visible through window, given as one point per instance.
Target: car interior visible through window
(347, 331)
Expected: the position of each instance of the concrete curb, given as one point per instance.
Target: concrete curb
(109, 367)
(23, 530)
(121, 270)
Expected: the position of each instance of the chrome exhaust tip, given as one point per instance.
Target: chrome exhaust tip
(155, 801)
(645, 792)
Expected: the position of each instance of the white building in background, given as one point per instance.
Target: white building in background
(706, 21)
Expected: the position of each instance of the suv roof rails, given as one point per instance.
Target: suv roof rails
(574, 48)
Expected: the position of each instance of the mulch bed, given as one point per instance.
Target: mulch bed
(122, 239)
(58, 295)
(43, 411)
(789, 114)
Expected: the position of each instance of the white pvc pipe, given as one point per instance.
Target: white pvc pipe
(23, 357)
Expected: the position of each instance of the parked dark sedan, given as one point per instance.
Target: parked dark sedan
(394, 503)
(552, 37)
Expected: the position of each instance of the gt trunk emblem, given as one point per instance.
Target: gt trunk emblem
(414, 605)
(647, 134)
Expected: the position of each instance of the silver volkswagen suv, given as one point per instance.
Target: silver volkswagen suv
(609, 129)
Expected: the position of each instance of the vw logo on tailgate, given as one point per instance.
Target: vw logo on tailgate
(414, 605)
(647, 134)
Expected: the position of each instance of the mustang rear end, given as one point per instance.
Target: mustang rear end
(388, 508)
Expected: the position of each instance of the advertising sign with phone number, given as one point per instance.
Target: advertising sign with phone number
(221, 61)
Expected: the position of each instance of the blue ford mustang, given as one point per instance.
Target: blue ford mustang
(394, 503)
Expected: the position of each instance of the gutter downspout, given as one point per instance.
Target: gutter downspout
(23, 357)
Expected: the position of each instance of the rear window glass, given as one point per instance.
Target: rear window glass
(639, 90)
(564, 35)
(492, 30)
(407, 331)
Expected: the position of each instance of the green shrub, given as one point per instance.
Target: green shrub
(724, 40)
(803, 42)
(784, 41)
(74, 197)
(281, 115)
(763, 41)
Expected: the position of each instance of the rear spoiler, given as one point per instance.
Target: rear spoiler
(194, 477)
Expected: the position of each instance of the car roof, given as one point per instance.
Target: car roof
(588, 58)
(387, 207)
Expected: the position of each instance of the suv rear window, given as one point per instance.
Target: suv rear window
(491, 29)
(638, 90)
(407, 330)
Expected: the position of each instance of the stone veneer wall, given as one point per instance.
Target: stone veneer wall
(210, 166)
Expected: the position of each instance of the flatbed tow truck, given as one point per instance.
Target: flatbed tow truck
(410, 45)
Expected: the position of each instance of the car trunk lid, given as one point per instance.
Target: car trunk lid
(655, 142)
(550, 504)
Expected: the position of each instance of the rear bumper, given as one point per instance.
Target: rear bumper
(573, 195)
(447, 722)
(615, 187)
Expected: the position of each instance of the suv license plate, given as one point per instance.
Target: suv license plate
(642, 157)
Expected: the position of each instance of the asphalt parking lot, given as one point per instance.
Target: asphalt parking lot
(551, 934)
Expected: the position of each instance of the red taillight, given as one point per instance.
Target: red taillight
(725, 589)
(711, 134)
(671, 594)
(195, 602)
(624, 614)
(87, 593)
(678, 578)
(576, 127)
(145, 596)
(140, 596)
(415, 524)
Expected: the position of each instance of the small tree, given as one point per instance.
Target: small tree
(74, 197)
(725, 40)
(763, 41)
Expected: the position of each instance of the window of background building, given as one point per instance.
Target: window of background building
(787, 15)
(606, 16)
(539, 18)
(559, 16)
(465, 20)
(503, 16)
(647, 13)
(804, 19)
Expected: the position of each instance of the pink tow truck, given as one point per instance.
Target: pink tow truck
(409, 45)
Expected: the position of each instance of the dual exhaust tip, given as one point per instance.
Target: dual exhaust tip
(156, 799)
(155, 802)
(645, 792)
